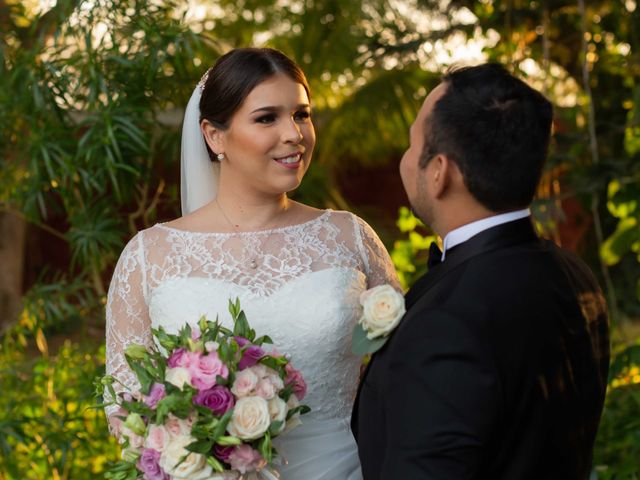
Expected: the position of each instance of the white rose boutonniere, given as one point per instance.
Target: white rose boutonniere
(382, 309)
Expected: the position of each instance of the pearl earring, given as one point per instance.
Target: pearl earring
(220, 157)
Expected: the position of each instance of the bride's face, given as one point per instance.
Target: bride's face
(270, 139)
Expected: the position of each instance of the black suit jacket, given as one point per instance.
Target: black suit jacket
(497, 371)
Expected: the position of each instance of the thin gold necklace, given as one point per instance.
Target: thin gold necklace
(253, 263)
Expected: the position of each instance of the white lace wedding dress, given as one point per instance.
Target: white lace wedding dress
(298, 284)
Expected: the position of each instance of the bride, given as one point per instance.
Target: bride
(247, 140)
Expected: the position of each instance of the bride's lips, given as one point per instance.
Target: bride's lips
(291, 161)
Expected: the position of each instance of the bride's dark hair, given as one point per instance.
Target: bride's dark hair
(236, 74)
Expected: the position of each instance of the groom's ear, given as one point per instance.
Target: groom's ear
(213, 136)
(440, 175)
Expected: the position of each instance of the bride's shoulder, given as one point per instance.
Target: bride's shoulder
(348, 220)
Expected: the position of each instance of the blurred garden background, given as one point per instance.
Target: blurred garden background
(92, 94)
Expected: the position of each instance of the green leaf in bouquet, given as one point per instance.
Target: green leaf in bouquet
(185, 335)
(241, 327)
(220, 380)
(135, 423)
(176, 403)
(166, 340)
(200, 446)
(228, 441)
(145, 379)
(222, 424)
(301, 409)
(234, 308)
(286, 392)
(135, 351)
(265, 447)
(137, 407)
(215, 464)
(262, 340)
(275, 427)
(276, 363)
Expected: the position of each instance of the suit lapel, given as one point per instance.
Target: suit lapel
(501, 236)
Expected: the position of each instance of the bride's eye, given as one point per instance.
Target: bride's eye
(265, 119)
(302, 115)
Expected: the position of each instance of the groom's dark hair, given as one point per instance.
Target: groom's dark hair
(496, 129)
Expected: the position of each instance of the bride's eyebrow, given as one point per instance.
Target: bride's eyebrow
(273, 109)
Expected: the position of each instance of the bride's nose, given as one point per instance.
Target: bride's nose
(291, 132)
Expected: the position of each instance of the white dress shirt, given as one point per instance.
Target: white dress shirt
(465, 232)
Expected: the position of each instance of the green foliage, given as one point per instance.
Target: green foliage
(617, 446)
(47, 426)
(409, 254)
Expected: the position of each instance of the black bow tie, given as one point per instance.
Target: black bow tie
(435, 255)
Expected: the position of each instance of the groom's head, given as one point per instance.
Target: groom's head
(478, 146)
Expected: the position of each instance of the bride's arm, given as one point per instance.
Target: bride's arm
(377, 262)
(127, 320)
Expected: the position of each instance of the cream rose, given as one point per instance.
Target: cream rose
(278, 412)
(178, 376)
(250, 418)
(383, 307)
(246, 380)
(194, 466)
(157, 438)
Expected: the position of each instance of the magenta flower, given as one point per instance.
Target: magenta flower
(241, 341)
(222, 453)
(218, 399)
(157, 393)
(294, 377)
(149, 464)
(250, 357)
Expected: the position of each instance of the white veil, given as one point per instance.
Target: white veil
(198, 174)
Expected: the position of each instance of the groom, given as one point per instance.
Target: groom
(498, 369)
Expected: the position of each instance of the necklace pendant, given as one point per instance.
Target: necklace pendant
(253, 264)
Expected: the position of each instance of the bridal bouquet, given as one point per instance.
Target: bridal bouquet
(210, 401)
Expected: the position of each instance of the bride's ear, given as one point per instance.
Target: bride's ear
(213, 136)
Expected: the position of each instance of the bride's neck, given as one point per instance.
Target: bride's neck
(252, 212)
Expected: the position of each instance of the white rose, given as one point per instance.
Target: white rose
(383, 307)
(260, 370)
(278, 412)
(178, 376)
(246, 380)
(265, 389)
(250, 418)
(194, 466)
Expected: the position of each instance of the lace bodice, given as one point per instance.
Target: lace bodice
(298, 284)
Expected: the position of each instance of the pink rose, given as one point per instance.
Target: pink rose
(157, 437)
(135, 441)
(245, 459)
(157, 393)
(295, 377)
(177, 426)
(244, 383)
(205, 371)
(183, 358)
(266, 389)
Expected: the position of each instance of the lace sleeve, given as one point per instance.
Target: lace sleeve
(377, 262)
(127, 316)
